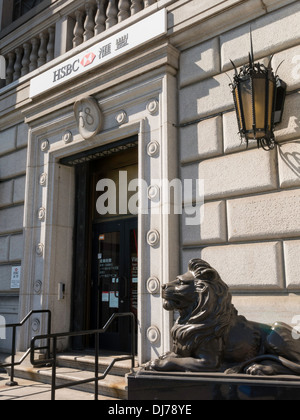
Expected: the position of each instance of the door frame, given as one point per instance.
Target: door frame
(81, 291)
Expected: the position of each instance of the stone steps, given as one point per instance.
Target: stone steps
(86, 362)
(73, 367)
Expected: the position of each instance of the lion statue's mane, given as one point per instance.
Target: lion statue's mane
(208, 319)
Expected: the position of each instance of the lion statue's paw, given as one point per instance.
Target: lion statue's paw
(257, 369)
(233, 370)
(148, 366)
(154, 365)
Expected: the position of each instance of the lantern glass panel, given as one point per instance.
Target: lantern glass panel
(259, 87)
(272, 89)
(246, 103)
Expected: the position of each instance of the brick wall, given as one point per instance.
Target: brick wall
(251, 227)
(13, 152)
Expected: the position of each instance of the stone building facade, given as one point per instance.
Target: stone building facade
(165, 97)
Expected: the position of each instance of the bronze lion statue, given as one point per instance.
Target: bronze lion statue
(210, 336)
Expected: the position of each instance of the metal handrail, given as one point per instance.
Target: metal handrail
(13, 363)
(53, 360)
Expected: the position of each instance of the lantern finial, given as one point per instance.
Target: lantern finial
(252, 50)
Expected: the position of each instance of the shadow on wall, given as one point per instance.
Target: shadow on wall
(291, 158)
(289, 151)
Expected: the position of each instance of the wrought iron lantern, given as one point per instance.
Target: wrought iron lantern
(259, 97)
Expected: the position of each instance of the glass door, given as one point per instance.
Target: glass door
(114, 280)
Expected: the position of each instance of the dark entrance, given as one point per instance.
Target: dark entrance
(105, 245)
(114, 279)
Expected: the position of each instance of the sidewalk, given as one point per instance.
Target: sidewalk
(35, 391)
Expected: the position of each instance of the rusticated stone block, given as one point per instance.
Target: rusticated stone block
(264, 216)
(292, 258)
(201, 140)
(250, 266)
(199, 62)
(212, 229)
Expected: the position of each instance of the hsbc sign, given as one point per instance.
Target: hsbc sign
(134, 36)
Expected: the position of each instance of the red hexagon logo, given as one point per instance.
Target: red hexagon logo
(88, 59)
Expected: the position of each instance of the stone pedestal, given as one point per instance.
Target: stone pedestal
(143, 385)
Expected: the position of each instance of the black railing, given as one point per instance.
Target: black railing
(53, 360)
(13, 362)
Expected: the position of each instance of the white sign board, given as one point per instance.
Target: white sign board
(15, 277)
(2, 328)
(134, 36)
(2, 67)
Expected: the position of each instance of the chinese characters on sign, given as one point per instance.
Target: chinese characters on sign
(122, 42)
(107, 49)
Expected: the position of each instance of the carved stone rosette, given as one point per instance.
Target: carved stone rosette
(153, 238)
(153, 285)
(153, 334)
(153, 149)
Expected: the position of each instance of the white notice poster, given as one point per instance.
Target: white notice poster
(15, 277)
(114, 299)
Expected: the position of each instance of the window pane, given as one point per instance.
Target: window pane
(23, 6)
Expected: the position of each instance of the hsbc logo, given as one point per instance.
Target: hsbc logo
(87, 59)
(67, 70)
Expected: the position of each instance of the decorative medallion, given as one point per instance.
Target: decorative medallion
(41, 213)
(88, 116)
(153, 106)
(67, 137)
(45, 145)
(153, 238)
(121, 117)
(43, 179)
(153, 149)
(35, 325)
(39, 249)
(153, 285)
(153, 334)
(153, 192)
(37, 287)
